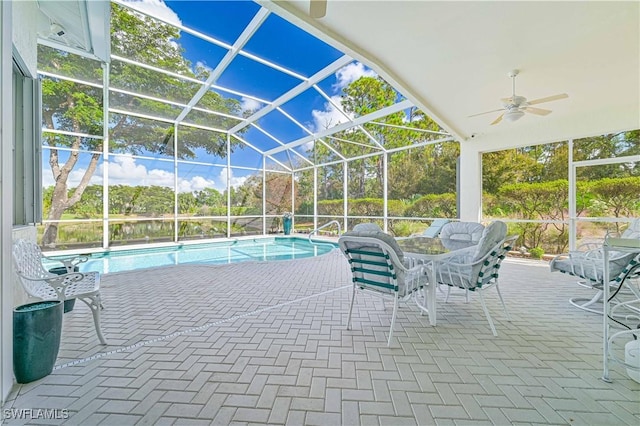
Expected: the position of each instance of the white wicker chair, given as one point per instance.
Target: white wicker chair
(378, 268)
(476, 268)
(40, 284)
(586, 263)
(463, 231)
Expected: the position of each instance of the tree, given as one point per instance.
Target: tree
(539, 201)
(621, 196)
(429, 169)
(508, 167)
(79, 108)
(278, 193)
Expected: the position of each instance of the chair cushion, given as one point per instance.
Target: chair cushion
(495, 232)
(367, 227)
(590, 268)
(466, 231)
(381, 236)
(435, 228)
(633, 230)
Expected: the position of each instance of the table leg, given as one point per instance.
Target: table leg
(431, 303)
(605, 315)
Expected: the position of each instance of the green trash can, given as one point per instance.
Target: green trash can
(37, 328)
(61, 270)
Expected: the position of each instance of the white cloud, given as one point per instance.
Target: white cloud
(196, 183)
(248, 104)
(350, 73)
(123, 170)
(74, 178)
(156, 8)
(201, 66)
(235, 181)
(329, 117)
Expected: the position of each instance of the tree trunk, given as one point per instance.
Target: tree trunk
(58, 206)
(60, 201)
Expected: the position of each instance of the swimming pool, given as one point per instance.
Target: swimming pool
(258, 249)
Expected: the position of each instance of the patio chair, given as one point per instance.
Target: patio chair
(588, 266)
(464, 231)
(367, 227)
(476, 269)
(39, 284)
(378, 267)
(434, 229)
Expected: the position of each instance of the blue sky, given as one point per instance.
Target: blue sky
(277, 41)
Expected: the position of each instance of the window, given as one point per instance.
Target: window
(26, 149)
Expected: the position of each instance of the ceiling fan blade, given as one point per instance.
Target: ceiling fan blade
(317, 8)
(486, 112)
(548, 99)
(497, 120)
(537, 111)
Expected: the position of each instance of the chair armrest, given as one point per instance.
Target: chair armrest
(588, 255)
(58, 283)
(418, 269)
(452, 263)
(595, 255)
(462, 256)
(70, 262)
(589, 245)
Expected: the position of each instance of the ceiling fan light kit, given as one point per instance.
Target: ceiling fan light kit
(513, 115)
(516, 106)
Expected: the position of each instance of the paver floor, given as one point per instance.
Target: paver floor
(265, 343)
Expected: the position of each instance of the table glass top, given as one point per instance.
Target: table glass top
(425, 245)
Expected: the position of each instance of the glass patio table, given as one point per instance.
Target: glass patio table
(428, 251)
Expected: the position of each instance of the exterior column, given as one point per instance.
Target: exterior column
(470, 183)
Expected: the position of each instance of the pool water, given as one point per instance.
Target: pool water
(259, 249)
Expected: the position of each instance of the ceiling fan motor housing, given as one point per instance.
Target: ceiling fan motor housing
(514, 102)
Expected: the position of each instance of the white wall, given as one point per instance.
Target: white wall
(6, 199)
(25, 15)
(18, 19)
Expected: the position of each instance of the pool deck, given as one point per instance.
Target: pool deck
(265, 343)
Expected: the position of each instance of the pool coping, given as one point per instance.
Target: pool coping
(115, 249)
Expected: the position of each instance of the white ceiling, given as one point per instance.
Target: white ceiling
(452, 59)
(84, 26)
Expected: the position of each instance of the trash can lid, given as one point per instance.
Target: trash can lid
(36, 306)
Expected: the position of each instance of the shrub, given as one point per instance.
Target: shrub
(331, 207)
(433, 205)
(536, 253)
(404, 228)
(365, 206)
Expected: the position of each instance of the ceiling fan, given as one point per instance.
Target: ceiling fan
(317, 8)
(515, 106)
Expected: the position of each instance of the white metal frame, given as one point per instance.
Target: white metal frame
(295, 161)
(573, 165)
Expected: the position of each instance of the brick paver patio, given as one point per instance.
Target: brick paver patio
(265, 343)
